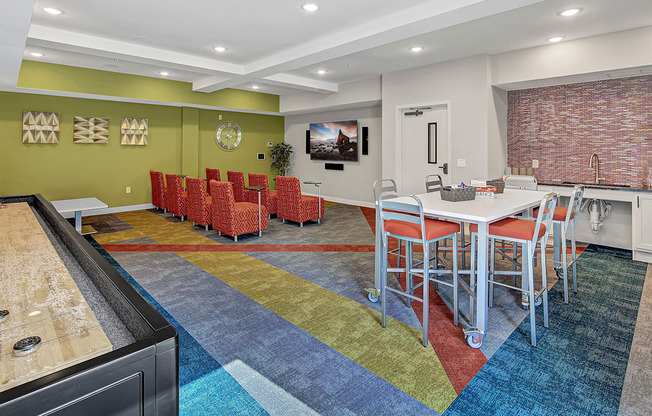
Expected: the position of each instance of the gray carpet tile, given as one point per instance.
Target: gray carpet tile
(233, 327)
(342, 224)
(344, 273)
(107, 223)
(636, 399)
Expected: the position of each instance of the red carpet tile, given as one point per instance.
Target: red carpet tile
(238, 247)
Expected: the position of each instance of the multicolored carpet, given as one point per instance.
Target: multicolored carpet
(281, 325)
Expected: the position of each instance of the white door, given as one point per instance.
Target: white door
(418, 160)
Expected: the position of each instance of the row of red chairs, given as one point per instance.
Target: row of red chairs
(231, 208)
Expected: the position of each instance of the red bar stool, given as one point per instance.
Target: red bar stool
(403, 219)
(565, 218)
(528, 233)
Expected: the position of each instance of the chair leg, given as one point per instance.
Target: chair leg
(564, 262)
(409, 264)
(426, 292)
(318, 220)
(235, 238)
(283, 219)
(398, 258)
(492, 269)
(514, 253)
(530, 275)
(544, 282)
(463, 245)
(383, 284)
(573, 248)
(301, 224)
(456, 301)
(206, 227)
(472, 282)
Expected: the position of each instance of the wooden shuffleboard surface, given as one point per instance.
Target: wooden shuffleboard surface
(43, 300)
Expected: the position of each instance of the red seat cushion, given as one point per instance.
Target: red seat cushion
(434, 228)
(560, 213)
(513, 228)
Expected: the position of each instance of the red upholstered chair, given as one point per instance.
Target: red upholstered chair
(159, 194)
(239, 192)
(267, 198)
(294, 206)
(211, 175)
(200, 206)
(235, 218)
(177, 197)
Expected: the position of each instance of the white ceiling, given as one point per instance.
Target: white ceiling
(279, 46)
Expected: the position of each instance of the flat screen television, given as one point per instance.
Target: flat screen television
(336, 140)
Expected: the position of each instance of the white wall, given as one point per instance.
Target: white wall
(353, 184)
(464, 83)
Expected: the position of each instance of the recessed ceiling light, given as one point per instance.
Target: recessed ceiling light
(164, 73)
(321, 71)
(310, 7)
(52, 11)
(569, 12)
(416, 49)
(220, 49)
(555, 39)
(37, 54)
(255, 87)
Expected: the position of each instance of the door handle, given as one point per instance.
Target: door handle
(445, 168)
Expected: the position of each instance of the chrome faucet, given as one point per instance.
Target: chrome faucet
(597, 167)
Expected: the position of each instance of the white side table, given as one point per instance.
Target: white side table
(77, 206)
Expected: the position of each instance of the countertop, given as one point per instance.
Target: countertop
(596, 186)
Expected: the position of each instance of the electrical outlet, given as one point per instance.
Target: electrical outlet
(270, 144)
(535, 163)
(461, 163)
(219, 117)
(128, 189)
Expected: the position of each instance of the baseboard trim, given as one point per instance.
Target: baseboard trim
(110, 210)
(344, 201)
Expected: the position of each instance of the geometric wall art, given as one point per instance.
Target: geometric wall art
(91, 130)
(39, 127)
(133, 131)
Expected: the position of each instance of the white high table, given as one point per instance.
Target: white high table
(77, 206)
(481, 211)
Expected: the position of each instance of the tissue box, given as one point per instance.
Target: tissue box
(485, 191)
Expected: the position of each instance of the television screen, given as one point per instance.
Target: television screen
(337, 140)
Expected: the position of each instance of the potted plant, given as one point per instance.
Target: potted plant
(280, 157)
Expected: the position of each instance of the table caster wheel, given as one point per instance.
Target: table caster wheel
(560, 275)
(441, 267)
(472, 343)
(372, 298)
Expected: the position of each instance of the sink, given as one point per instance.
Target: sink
(597, 185)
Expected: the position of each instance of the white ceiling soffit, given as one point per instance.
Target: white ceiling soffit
(409, 22)
(16, 18)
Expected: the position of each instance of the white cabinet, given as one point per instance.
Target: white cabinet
(642, 226)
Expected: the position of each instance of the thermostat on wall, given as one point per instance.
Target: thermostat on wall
(260, 156)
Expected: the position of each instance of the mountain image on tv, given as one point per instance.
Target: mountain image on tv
(334, 141)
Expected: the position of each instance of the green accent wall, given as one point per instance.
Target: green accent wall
(257, 130)
(46, 76)
(73, 170)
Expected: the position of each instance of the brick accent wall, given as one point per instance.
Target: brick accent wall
(561, 126)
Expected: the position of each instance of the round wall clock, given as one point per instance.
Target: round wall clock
(228, 135)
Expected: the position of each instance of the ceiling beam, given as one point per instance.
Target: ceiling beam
(109, 48)
(412, 21)
(307, 84)
(14, 26)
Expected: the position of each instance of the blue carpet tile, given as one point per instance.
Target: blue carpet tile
(579, 364)
(288, 371)
(205, 387)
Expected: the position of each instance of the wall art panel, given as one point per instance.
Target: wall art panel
(40, 127)
(91, 130)
(133, 131)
